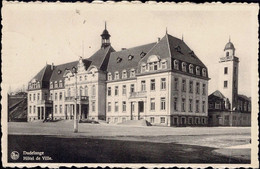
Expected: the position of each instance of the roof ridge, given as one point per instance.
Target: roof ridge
(137, 47)
(43, 73)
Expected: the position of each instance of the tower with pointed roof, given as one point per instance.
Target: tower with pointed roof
(105, 38)
(228, 74)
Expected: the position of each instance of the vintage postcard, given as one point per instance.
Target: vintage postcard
(129, 84)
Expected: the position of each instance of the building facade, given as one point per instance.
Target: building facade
(226, 106)
(163, 82)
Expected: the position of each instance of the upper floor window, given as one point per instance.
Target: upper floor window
(191, 87)
(143, 85)
(163, 83)
(93, 90)
(124, 90)
(176, 83)
(227, 53)
(197, 70)
(109, 76)
(80, 78)
(152, 84)
(176, 64)
(217, 105)
(183, 65)
(124, 74)
(109, 91)
(56, 84)
(116, 75)
(60, 84)
(132, 88)
(132, 74)
(86, 90)
(197, 88)
(68, 93)
(225, 84)
(225, 70)
(85, 77)
(184, 85)
(30, 97)
(60, 95)
(204, 72)
(163, 64)
(204, 89)
(190, 68)
(38, 96)
(116, 90)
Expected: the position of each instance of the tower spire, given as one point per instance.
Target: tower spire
(182, 37)
(166, 31)
(105, 25)
(105, 41)
(229, 39)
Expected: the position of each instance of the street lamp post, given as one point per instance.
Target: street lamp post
(76, 95)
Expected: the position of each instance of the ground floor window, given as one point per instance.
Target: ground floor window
(93, 107)
(190, 120)
(115, 120)
(203, 121)
(151, 119)
(183, 120)
(162, 119)
(175, 120)
(227, 117)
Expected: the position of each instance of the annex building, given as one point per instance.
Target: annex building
(163, 82)
(226, 106)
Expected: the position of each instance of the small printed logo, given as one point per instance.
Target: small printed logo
(14, 155)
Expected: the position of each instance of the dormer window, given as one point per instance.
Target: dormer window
(192, 53)
(204, 72)
(51, 85)
(38, 85)
(197, 70)
(142, 54)
(176, 64)
(163, 64)
(116, 75)
(124, 74)
(85, 77)
(178, 48)
(143, 69)
(132, 74)
(109, 76)
(59, 71)
(60, 83)
(191, 68)
(56, 84)
(119, 59)
(130, 57)
(183, 65)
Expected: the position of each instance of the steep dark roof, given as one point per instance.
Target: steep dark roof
(101, 57)
(125, 63)
(43, 76)
(218, 94)
(244, 97)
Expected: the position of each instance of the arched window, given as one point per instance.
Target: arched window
(163, 64)
(227, 53)
(56, 84)
(132, 73)
(124, 74)
(109, 76)
(93, 90)
(60, 83)
(86, 90)
(204, 72)
(80, 91)
(153, 62)
(184, 66)
(116, 75)
(176, 64)
(190, 68)
(197, 70)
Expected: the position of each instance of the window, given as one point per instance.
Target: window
(143, 68)
(204, 73)
(109, 91)
(51, 96)
(33, 97)
(203, 106)
(124, 74)
(191, 68)
(163, 64)
(175, 103)
(86, 90)
(152, 84)
(204, 89)
(227, 54)
(151, 119)
(116, 106)
(132, 74)
(93, 90)
(60, 84)
(163, 83)
(163, 103)
(34, 109)
(176, 83)
(183, 105)
(191, 87)
(116, 75)
(51, 85)
(116, 91)
(60, 95)
(38, 96)
(132, 88)
(225, 84)
(124, 90)
(162, 119)
(184, 85)
(190, 105)
(109, 106)
(143, 88)
(60, 109)
(217, 105)
(156, 66)
(56, 84)
(93, 106)
(225, 70)
(190, 120)
(197, 106)
(176, 64)
(109, 76)
(56, 109)
(197, 70)
(123, 119)
(30, 97)
(197, 88)
(184, 66)
(85, 77)
(151, 66)
(152, 103)
(56, 96)
(124, 106)
(30, 109)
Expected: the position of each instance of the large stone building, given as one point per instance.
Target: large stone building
(226, 106)
(163, 82)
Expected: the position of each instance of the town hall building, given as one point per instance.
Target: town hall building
(163, 82)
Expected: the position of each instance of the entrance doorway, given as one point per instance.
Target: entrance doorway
(140, 108)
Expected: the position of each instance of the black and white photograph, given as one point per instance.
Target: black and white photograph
(129, 84)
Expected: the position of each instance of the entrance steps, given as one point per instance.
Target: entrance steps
(136, 123)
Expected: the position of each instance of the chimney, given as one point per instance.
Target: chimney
(123, 49)
(52, 66)
(158, 40)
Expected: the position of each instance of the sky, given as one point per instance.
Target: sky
(36, 34)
